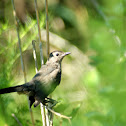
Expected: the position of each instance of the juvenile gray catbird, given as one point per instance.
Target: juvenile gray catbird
(44, 82)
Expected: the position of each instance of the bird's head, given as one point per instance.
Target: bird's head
(57, 56)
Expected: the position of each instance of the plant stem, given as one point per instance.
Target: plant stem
(22, 61)
(42, 60)
(47, 30)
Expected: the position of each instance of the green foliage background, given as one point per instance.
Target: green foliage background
(93, 88)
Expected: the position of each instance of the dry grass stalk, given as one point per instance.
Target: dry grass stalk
(22, 62)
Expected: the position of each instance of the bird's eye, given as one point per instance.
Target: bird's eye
(51, 55)
(57, 54)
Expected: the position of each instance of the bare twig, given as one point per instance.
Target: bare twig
(60, 115)
(19, 41)
(47, 30)
(39, 33)
(34, 55)
(13, 115)
(43, 114)
(22, 62)
(51, 119)
(49, 116)
(42, 61)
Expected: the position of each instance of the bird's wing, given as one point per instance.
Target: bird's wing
(45, 70)
(45, 80)
(41, 76)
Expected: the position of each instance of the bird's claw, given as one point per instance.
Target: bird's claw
(51, 102)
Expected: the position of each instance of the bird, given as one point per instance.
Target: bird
(43, 83)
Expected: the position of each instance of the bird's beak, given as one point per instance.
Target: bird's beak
(66, 53)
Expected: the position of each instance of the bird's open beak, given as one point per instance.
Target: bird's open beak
(66, 53)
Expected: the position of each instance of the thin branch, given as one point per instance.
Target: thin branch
(43, 114)
(49, 116)
(42, 60)
(13, 115)
(19, 41)
(39, 32)
(47, 30)
(51, 119)
(60, 115)
(22, 62)
(34, 55)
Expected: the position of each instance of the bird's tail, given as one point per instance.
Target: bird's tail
(18, 88)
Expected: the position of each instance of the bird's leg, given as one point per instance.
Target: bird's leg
(51, 102)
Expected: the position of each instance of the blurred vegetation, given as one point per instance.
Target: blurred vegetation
(93, 88)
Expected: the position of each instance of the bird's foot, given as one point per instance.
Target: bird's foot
(51, 102)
